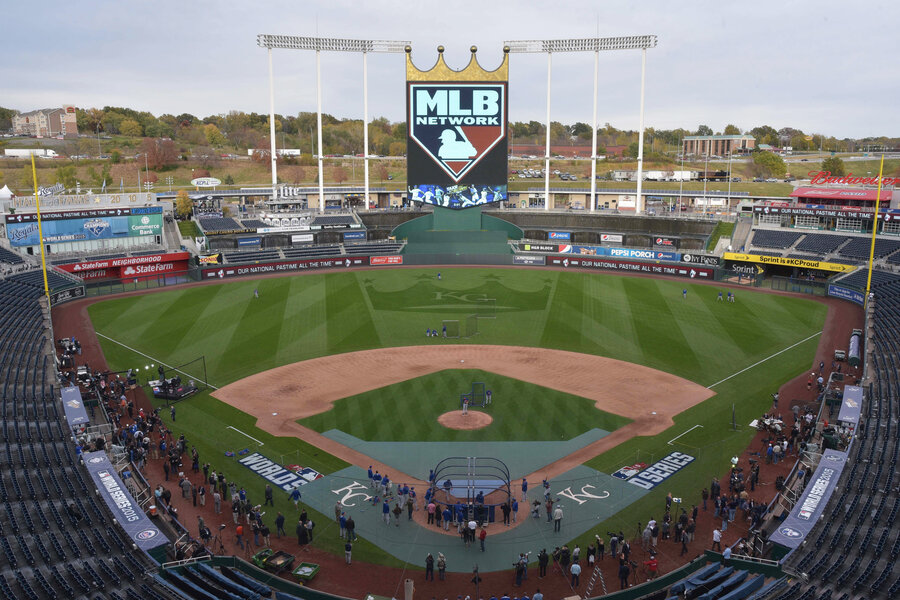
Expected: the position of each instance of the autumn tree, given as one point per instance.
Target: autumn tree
(381, 171)
(339, 174)
(130, 127)
(66, 176)
(184, 206)
(160, 152)
(732, 130)
(213, 136)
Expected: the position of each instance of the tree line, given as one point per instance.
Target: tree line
(238, 131)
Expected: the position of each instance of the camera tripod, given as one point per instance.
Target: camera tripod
(217, 547)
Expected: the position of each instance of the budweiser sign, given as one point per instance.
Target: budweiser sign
(821, 177)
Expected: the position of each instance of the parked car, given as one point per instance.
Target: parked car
(758, 180)
(771, 180)
(735, 179)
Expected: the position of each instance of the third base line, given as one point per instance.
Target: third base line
(244, 434)
(686, 432)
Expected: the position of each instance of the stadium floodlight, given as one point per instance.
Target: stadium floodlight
(595, 45)
(317, 44)
(631, 42)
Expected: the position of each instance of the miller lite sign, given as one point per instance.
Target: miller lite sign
(457, 133)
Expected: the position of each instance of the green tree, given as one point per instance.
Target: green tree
(66, 176)
(6, 115)
(704, 130)
(184, 206)
(229, 180)
(732, 130)
(213, 136)
(632, 150)
(765, 134)
(26, 180)
(834, 164)
(131, 128)
(115, 157)
(770, 163)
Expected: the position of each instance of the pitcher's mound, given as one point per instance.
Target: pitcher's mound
(455, 419)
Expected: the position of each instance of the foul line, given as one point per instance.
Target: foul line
(685, 433)
(155, 360)
(242, 433)
(709, 387)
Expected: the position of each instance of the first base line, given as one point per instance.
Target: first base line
(686, 432)
(244, 434)
(709, 387)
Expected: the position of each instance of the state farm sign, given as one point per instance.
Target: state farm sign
(147, 269)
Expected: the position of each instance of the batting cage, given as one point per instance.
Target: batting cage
(472, 487)
(477, 396)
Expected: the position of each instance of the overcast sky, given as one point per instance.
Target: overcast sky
(825, 67)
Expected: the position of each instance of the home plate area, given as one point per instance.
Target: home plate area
(586, 496)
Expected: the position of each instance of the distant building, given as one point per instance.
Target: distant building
(47, 122)
(717, 145)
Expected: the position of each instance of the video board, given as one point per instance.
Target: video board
(457, 144)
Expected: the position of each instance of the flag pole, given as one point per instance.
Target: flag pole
(874, 231)
(37, 204)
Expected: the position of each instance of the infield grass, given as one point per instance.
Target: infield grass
(521, 411)
(640, 320)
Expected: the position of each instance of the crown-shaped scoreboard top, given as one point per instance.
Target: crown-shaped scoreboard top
(472, 72)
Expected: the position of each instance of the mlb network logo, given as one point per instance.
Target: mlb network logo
(457, 124)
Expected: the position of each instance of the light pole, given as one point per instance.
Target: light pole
(291, 42)
(637, 42)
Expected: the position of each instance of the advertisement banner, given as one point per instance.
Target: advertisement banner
(559, 235)
(612, 238)
(661, 470)
(844, 293)
(249, 241)
(386, 260)
(518, 259)
(644, 254)
(789, 262)
(665, 242)
(72, 293)
(138, 527)
(539, 247)
(73, 406)
(851, 405)
(303, 238)
(88, 213)
(106, 263)
(84, 229)
(354, 235)
(805, 514)
(287, 229)
(229, 271)
(458, 196)
(457, 134)
(277, 475)
(210, 259)
(617, 265)
(702, 259)
(140, 271)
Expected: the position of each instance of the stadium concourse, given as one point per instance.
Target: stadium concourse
(387, 581)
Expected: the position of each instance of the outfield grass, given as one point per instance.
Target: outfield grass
(519, 410)
(640, 320)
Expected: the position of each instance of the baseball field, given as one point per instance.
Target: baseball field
(741, 352)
